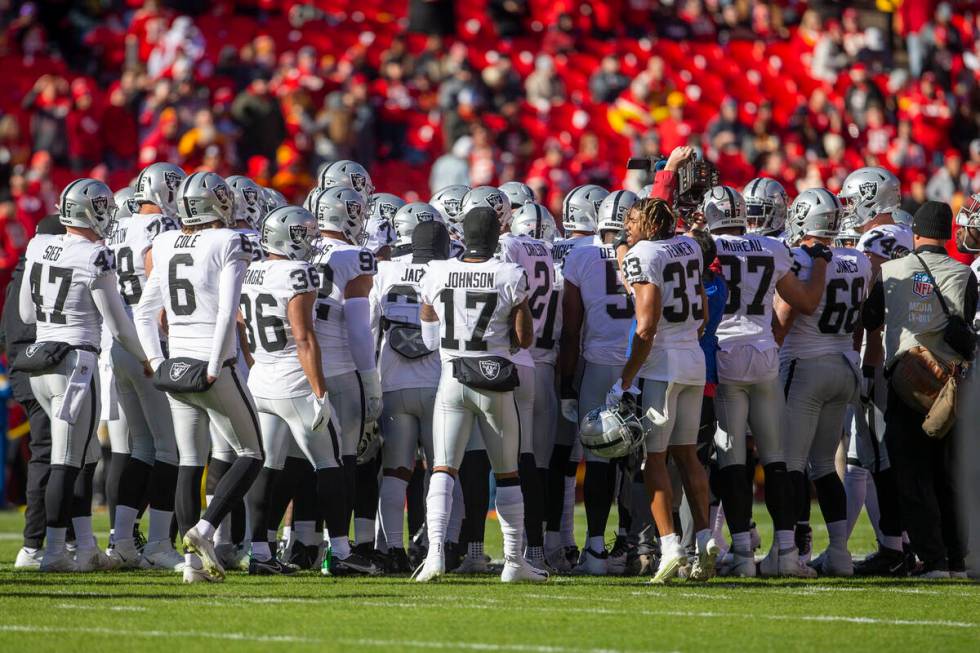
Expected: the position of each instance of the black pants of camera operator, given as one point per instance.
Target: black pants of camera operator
(924, 470)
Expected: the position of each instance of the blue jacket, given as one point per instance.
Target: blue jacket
(717, 292)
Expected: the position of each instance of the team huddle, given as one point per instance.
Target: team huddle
(330, 364)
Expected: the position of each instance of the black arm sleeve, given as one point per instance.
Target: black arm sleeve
(873, 310)
(970, 299)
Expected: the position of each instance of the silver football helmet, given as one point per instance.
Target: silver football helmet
(340, 209)
(347, 173)
(968, 217)
(580, 210)
(534, 220)
(87, 204)
(518, 193)
(613, 210)
(384, 206)
(204, 197)
(765, 205)
(723, 207)
(866, 192)
(613, 432)
(408, 217)
(157, 184)
(126, 205)
(250, 204)
(816, 212)
(487, 196)
(902, 217)
(449, 202)
(289, 231)
(273, 198)
(847, 238)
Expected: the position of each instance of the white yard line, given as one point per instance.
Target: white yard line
(100, 607)
(474, 646)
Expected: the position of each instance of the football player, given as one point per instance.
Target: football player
(749, 393)
(819, 372)
(409, 377)
(597, 316)
(69, 290)
(665, 374)
(518, 194)
(968, 235)
(404, 222)
(449, 202)
(381, 209)
(475, 311)
(349, 174)
(289, 388)
(151, 471)
(765, 207)
(343, 327)
(197, 280)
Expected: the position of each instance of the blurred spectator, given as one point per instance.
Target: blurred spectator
(484, 158)
(453, 167)
(503, 84)
(543, 86)
(608, 81)
(508, 16)
(161, 144)
(49, 107)
(929, 112)
(83, 125)
(911, 18)
(561, 36)
(949, 179)
(195, 141)
(829, 57)
(726, 127)
(259, 116)
(590, 166)
(119, 130)
(432, 16)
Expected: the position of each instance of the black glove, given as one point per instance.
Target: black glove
(818, 250)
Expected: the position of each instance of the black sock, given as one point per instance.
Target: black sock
(188, 499)
(259, 500)
(779, 497)
(797, 483)
(162, 487)
(113, 477)
(349, 467)
(238, 520)
(133, 483)
(474, 475)
(556, 486)
(231, 490)
(623, 492)
(831, 497)
(804, 498)
(330, 500)
(305, 499)
(216, 469)
(82, 491)
(415, 499)
(533, 500)
(285, 488)
(368, 488)
(58, 495)
(597, 489)
(890, 520)
(736, 497)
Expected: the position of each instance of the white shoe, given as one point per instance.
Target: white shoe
(741, 565)
(959, 574)
(232, 556)
(592, 563)
(432, 569)
(471, 565)
(769, 566)
(519, 570)
(192, 575)
(935, 574)
(123, 555)
(162, 555)
(834, 562)
(57, 561)
(791, 565)
(194, 542)
(29, 559)
(670, 563)
(92, 558)
(704, 566)
(555, 558)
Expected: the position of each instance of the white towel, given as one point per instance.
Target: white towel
(79, 384)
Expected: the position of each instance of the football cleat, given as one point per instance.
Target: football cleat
(834, 562)
(232, 556)
(270, 567)
(162, 555)
(670, 563)
(933, 574)
(57, 561)
(883, 562)
(353, 565)
(741, 565)
(432, 569)
(473, 565)
(194, 542)
(192, 575)
(618, 556)
(397, 562)
(124, 555)
(138, 538)
(803, 537)
(520, 571)
(92, 558)
(756, 539)
(29, 558)
(592, 564)
(302, 555)
(557, 560)
(703, 567)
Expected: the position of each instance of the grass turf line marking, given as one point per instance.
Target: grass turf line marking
(114, 608)
(476, 646)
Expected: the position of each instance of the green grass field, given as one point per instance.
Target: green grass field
(153, 611)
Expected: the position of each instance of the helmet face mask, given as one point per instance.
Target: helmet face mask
(87, 204)
(534, 220)
(449, 202)
(158, 184)
(816, 212)
(580, 209)
(126, 205)
(765, 205)
(289, 231)
(250, 202)
(341, 209)
(204, 197)
(613, 432)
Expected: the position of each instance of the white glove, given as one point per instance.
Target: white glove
(322, 411)
(616, 393)
(371, 382)
(569, 410)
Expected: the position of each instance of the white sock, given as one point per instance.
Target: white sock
(596, 543)
(474, 550)
(785, 540)
(305, 532)
(207, 529)
(438, 505)
(54, 538)
(552, 540)
(742, 542)
(701, 538)
(456, 514)
(340, 547)
(112, 536)
(837, 531)
(84, 538)
(392, 510)
(893, 542)
(363, 531)
(871, 505)
(855, 487)
(568, 513)
(125, 519)
(670, 544)
(222, 533)
(261, 552)
(159, 524)
(510, 514)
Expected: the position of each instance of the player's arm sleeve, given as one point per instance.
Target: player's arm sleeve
(664, 183)
(873, 309)
(970, 300)
(145, 317)
(105, 294)
(360, 339)
(25, 303)
(230, 281)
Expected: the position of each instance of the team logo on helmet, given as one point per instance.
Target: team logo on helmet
(597, 204)
(496, 202)
(100, 204)
(387, 211)
(802, 210)
(297, 232)
(868, 190)
(221, 193)
(178, 370)
(425, 216)
(170, 178)
(452, 207)
(490, 369)
(31, 350)
(353, 209)
(251, 196)
(358, 181)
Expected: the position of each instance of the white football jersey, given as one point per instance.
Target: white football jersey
(889, 241)
(188, 267)
(395, 304)
(130, 240)
(61, 271)
(338, 263)
(380, 233)
(752, 266)
(561, 247)
(266, 292)
(674, 266)
(831, 327)
(608, 308)
(534, 256)
(474, 302)
(258, 254)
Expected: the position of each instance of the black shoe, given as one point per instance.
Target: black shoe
(397, 562)
(138, 539)
(353, 565)
(911, 562)
(416, 553)
(804, 539)
(367, 550)
(271, 567)
(884, 562)
(304, 556)
(453, 555)
(573, 555)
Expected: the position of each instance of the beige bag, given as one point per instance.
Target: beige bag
(942, 415)
(919, 377)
